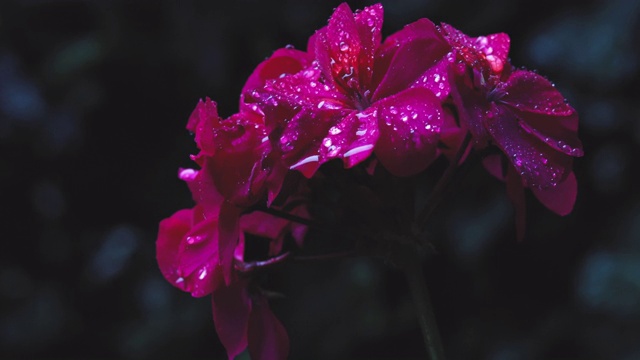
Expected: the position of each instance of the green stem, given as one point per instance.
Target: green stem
(426, 318)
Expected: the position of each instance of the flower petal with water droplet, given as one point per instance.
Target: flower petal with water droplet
(409, 126)
(561, 198)
(539, 165)
(418, 40)
(529, 92)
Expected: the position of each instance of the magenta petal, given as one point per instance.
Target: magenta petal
(282, 62)
(303, 89)
(342, 45)
(494, 165)
(551, 130)
(352, 139)
(186, 250)
(231, 308)
(419, 40)
(369, 23)
(539, 165)
(203, 190)
(170, 235)
(228, 234)
(530, 92)
(409, 125)
(436, 79)
(300, 140)
(561, 198)
(202, 121)
(198, 253)
(496, 50)
(472, 108)
(268, 339)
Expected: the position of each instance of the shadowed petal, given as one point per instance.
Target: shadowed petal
(268, 339)
(409, 125)
(561, 198)
(231, 308)
(538, 164)
(228, 234)
(551, 130)
(494, 165)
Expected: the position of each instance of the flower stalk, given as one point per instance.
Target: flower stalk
(424, 310)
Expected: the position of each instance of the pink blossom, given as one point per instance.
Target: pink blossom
(361, 96)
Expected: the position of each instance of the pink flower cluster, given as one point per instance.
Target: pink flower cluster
(398, 104)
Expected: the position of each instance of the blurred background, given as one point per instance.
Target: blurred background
(94, 98)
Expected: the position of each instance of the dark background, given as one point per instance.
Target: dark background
(94, 97)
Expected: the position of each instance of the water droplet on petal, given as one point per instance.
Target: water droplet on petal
(334, 130)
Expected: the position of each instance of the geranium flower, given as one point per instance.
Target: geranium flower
(360, 96)
(187, 253)
(523, 114)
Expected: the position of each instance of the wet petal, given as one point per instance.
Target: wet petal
(539, 165)
(187, 250)
(529, 92)
(301, 140)
(369, 23)
(551, 130)
(283, 62)
(231, 309)
(268, 339)
(203, 190)
(409, 125)
(339, 49)
(419, 40)
(302, 90)
(170, 235)
(436, 79)
(202, 121)
(352, 138)
(496, 50)
(560, 198)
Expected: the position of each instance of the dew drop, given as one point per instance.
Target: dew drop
(334, 131)
(344, 46)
